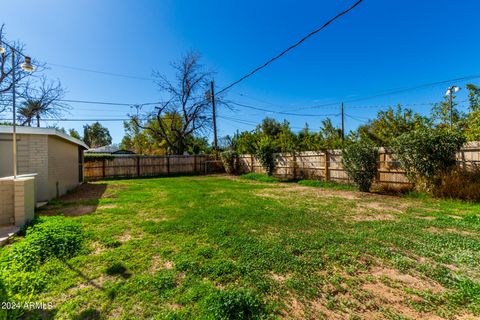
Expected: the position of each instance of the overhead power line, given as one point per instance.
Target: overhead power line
(100, 72)
(291, 47)
(395, 91)
(284, 113)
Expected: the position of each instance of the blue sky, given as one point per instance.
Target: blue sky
(381, 45)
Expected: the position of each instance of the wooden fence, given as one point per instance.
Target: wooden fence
(316, 165)
(327, 165)
(150, 166)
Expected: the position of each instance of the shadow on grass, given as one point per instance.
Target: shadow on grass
(80, 201)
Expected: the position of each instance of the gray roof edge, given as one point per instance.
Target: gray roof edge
(45, 131)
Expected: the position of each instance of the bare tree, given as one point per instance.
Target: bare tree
(42, 101)
(6, 68)
(186, 112)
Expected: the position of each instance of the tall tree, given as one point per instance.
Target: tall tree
(96, 135)
(42, 100)
(186, 103)
(6, 70)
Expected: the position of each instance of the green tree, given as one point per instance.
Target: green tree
(441, 115)
(359, 159)
(186, 113)
(308, 140)
(472, 121)
(424, 154)
(96, 135)
(473, 97)
(287, 140)
(74, 133)
(246, 142)
(330, 136)
(390, 124)
(265, 153)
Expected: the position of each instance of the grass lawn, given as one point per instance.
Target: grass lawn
(200, 247)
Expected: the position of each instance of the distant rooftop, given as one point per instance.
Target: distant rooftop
(109, 150)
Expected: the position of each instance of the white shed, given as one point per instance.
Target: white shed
(55, 157)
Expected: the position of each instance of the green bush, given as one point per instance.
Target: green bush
(91, 157)
(425, 154)
(359, 160)
(51, 237)
(230, 161)
(265, 153)
(234, 304)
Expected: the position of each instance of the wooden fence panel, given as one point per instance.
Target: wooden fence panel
(146, 166)
(317, 165)
(327, 165)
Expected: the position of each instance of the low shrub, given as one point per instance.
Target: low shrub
(47, 238)
(265, 153)
(234, 304)
(258, 177)
(359, 160)
(458, 183)
(230, 161)
(97, 157)
(426, 153)
(51, 237)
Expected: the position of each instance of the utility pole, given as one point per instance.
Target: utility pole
(215, 145)
(343, 123)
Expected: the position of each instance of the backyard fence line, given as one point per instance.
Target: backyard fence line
(327, 165)
(150, 166)
(315, 165)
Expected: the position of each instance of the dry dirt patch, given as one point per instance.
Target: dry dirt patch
(373, 217)
(450, 230)
(73, 211)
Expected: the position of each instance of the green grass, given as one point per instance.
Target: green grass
(222, 248)
(259, 177)
(326, 184)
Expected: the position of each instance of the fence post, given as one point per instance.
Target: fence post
(251, 163)
(168, 165)
(103, 167)
(194, 163)
(294, 166)
(138, 166)
(327, 166)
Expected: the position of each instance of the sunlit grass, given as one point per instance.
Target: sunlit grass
(186, 247)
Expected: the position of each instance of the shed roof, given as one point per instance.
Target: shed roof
(42, 131)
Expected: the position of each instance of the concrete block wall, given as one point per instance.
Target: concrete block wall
(32, 155)
(7, 215)
(62, 167)
(24, 200)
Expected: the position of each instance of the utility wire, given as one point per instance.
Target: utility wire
(290, 48)
(284, 113)
(101, 72)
